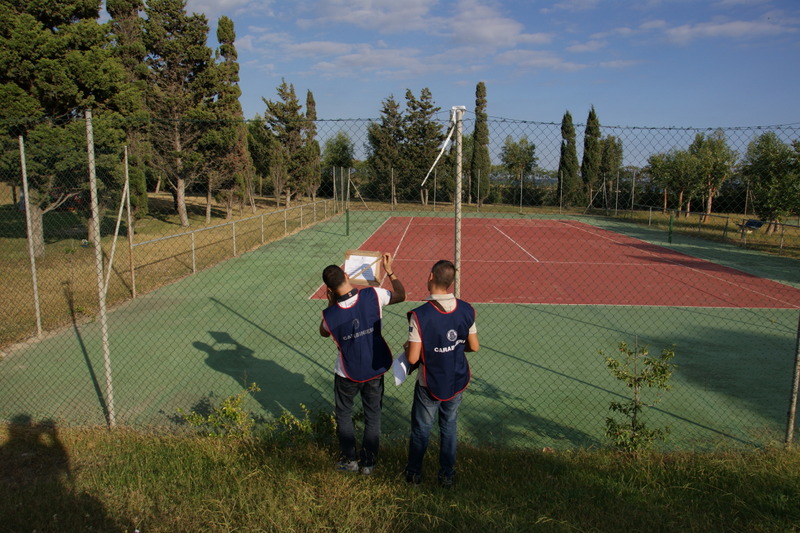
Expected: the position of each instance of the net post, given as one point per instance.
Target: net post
(458, 115)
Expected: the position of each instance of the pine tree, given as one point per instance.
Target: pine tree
(480, 164)
(590, 166)
(227, 158)
(259, 144)
(423, 138)
(128, 47)
(385, 141)
(179, 89)
(56, 62)
(568, 179)
(288, 125)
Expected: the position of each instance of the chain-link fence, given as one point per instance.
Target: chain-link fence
(681, 237)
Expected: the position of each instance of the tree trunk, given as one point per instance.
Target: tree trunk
(665, 201)
(158, 185)
(180, 199)
(208, 202)
(37, 230)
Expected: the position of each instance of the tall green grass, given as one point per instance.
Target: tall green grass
(93, 479)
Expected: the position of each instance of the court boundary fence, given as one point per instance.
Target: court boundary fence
(343, 198)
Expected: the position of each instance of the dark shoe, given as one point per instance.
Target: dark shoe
(413, 479)
(446, 482)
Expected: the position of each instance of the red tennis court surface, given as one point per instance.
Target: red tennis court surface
(565, 262)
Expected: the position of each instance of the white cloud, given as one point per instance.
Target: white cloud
(734, 3)
(536, 59)
(368, 60)
(317, 49)
(624, 31)
(588, 46)
(621, 63)
(572, 5)
(382, 16)
(213, 9)
(478, 24)
(726, 29)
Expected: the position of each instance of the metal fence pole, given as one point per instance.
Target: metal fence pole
(98, 255)
(459, 114)
(130, 227)
(795, 385)
(31, 253)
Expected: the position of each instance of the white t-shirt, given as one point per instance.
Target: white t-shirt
(384, 295)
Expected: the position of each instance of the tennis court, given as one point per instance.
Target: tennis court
(549, 292)
(567, 262)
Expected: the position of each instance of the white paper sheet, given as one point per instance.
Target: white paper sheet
(400, 368)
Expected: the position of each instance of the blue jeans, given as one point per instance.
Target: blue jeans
(345, 392)
(422, 412)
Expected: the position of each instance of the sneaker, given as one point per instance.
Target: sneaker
(347, 466)
(367, 470)
(446, 482)
(413, 479)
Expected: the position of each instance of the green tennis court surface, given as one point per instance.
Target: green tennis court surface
(537, 381)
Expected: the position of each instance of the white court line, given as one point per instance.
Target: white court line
(408, 226)
(677, 263)
(515, 242)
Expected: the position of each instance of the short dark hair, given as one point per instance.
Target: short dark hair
(333, 277)
(444, 272)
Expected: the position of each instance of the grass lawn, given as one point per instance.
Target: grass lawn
(93, 479)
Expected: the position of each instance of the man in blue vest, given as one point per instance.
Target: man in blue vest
(353, 319)
(440, 332)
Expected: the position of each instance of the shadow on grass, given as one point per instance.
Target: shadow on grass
(40, 493)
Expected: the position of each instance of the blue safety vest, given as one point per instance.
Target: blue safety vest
(444, 337)
(357, 332)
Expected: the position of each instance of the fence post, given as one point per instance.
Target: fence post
(233, 231)
(795, 385)
(194, 257)
(671, 221)
(130, 227)
(31, 253)
(98, 255)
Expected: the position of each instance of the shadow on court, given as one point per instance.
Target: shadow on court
(514, 424)
(280, 388)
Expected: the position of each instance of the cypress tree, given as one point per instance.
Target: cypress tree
(569, 180)
(481, 164)
(590, 166)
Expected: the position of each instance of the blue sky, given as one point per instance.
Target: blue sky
(653, 63)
